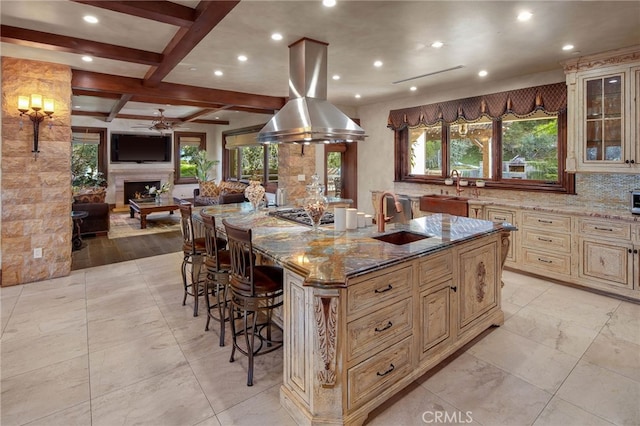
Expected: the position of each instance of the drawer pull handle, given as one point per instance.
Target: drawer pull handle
(545, 221)
(501, 218)
(454, 288)
(387, 288)
(545, 260)
(604, 229)
(546, 240)
(391, 368)
(386, 327)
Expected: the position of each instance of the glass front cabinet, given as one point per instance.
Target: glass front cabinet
(603, 92)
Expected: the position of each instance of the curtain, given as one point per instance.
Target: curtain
(550, 98)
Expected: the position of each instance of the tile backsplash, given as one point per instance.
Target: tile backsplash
(594, 190)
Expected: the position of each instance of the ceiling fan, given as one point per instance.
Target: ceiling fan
(160, 124)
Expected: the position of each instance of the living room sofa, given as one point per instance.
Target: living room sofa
(92, 201)
(210, 193)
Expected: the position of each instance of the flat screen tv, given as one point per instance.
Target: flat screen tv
(140, 148)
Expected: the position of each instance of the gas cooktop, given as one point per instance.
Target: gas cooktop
(300, 216)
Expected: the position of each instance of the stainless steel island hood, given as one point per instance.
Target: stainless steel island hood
(308, 117)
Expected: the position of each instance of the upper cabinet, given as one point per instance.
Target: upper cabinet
(602, 97)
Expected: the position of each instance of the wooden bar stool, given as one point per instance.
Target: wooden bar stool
(218, 264)
(194, 251)
(256, 290)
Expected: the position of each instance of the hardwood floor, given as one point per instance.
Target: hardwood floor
(101, 250)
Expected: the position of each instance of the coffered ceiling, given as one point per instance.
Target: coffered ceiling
(158, 54)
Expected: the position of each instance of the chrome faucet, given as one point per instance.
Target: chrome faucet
(380, 217)
(457, 173)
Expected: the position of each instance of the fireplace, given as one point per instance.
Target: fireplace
(130, 188)
(139, 176)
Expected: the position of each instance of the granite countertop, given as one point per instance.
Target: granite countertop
(330, 258)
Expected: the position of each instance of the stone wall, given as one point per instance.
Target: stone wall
(36, 193)
(293, 160)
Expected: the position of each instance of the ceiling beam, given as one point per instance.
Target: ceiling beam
(93, 93)
(118, 107)
(140, 117)
(201, 113)
(60, 43)
(85, 80)
(208, 15)
(160, 11)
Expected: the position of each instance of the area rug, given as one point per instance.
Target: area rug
(122, 225)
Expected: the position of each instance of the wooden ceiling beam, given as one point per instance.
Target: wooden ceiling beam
(140, 117)
(118, 107)
(160, 11)
(95, 94)
(60, 43)
(208, 15)
(85, 80)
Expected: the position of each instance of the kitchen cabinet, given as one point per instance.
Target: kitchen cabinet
(608, 258)
(546, 244)
(602, 133)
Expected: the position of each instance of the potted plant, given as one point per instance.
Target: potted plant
(203, 165)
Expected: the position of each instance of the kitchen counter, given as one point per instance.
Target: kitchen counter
(330, 258)
(362, 319)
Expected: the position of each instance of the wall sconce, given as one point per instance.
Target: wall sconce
(35, 103)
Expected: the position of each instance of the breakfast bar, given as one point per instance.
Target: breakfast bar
(363, 317)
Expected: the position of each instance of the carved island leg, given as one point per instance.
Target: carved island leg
(504, 251)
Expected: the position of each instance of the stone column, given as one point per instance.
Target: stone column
(36, 192)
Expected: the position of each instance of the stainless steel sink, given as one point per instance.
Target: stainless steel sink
(451, 204)
(401, 237)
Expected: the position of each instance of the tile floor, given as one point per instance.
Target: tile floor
(112, 345)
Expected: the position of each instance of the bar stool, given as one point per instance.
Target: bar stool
(194, 250)
(218, 264)
(256, 290)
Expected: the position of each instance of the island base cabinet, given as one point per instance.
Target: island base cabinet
(349, 349)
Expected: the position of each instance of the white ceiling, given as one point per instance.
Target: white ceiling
(476, 34)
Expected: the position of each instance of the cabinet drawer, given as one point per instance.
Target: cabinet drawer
(546, 262)
(551, 222)
(369, 378)
(495, 215)
(553, 242)
(374, 291)
(600, 228)
(435, 267)
(379, 329)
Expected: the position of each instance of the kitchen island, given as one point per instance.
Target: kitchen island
(363, 318)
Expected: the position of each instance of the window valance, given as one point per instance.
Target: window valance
(550, 98)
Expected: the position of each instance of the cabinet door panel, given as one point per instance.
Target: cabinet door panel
(606, 262)
(478, 282)
(435, 309)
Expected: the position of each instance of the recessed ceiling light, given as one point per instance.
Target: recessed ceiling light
(276, 36)
(217, 118)
(218, 73)
(377, 64)
(437, 44)
(328, 3)
(567, 47)
(90, 19)
(336, 77)
(413, 88)
(77, 107)
(483, 73)
(524, 15)
(242, 58)
(358, 96)
(193, 69)
(87, 58)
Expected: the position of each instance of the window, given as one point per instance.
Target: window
(530, 148)
(186, 145)
(510, 139)
(88, 156)
(244, 159)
